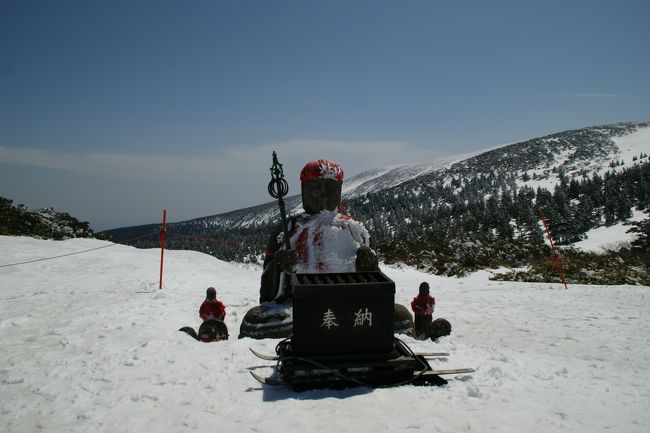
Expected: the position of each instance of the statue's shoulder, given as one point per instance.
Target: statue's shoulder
(298, 219)
(349, 221)
(357, 229)
(344, 217)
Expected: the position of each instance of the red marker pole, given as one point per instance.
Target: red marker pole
(555, 257)
(163, 232)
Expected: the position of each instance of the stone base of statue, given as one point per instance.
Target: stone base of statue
(439, 328)
(268, 320)
(271, 320)
(402, 320)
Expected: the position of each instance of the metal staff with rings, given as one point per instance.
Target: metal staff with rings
(278, 188)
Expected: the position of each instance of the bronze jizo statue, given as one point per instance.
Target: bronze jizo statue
(322, 239)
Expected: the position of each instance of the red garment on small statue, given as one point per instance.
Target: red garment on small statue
(212, 310)
(422, 305)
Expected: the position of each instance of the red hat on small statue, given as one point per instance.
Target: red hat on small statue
(321, 169)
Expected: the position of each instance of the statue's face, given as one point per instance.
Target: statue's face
(320, 194)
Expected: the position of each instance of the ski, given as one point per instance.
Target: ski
(276, 358)
(431, 354)
(263, 356)
(419, 376)
(449, 371)
(267, 380)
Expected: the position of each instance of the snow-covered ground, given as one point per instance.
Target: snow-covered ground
(613, 237)
(89, 344)
(630, 146)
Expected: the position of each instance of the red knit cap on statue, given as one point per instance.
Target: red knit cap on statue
(321, 169)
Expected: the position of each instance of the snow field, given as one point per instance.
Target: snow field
(89, 343)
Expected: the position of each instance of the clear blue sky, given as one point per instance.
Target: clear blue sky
(114, 110)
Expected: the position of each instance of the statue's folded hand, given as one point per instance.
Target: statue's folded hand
(287, 259)
(366, 260)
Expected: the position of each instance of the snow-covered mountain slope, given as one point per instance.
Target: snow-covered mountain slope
(377, 180)
(631, 145)
(452, 195)
(90, 344)
(594, 158)
(536, 162)
(612, 237)
(370, 181)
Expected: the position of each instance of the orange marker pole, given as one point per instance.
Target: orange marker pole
(555, 256)
(163, 232)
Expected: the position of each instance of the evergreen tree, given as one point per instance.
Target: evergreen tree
(534, 233)
(596, 190)
(563, 229)
(642, 243)
(610, 205)
(584, 217)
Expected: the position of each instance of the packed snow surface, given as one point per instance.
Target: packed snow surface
(90, 344)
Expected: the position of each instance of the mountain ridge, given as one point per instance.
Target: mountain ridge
(370, 182)
(494, 197)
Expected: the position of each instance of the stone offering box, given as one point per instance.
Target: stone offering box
(343, 314)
